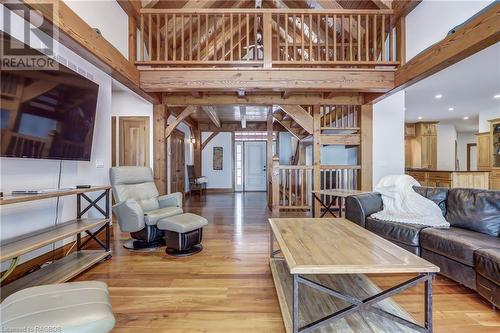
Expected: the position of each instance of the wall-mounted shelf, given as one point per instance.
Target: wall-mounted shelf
(69, 266)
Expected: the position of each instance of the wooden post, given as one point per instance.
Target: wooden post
(366, 148)
(160, 117)
(267, 39)
(132, 39)
(316, 154)
(269, 143)
(197, 151)
(401, 40)
(275, 187)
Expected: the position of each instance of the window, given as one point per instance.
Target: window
(238, 167)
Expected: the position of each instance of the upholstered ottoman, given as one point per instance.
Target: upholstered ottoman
(183, 233)
(75, 307)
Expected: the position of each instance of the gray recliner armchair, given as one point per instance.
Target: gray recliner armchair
(139, 206)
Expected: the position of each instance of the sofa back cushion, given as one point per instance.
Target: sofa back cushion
(476, 210)
(436, 194)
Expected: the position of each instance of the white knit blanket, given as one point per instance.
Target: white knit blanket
(403, 204)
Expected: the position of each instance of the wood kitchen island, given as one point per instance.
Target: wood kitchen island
(443, 178)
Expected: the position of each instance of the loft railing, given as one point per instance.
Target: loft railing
(267, 38)
(291, 185)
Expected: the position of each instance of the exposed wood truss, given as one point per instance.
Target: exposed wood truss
(207, 140)
(210, 111)
(184, 114)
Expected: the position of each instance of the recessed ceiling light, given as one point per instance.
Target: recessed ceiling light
(496, 96)
(451, 109)
(419, 118)
(465, 118)
(438, 96)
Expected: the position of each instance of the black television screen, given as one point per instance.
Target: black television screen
(47, 114)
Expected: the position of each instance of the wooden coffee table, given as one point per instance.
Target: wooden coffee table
(327, 259)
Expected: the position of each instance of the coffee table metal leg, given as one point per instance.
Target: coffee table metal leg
(366, 304)
(428, 304)
(295, 303)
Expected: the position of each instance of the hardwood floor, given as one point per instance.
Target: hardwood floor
(228, 287)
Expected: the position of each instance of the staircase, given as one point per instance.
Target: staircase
(328, 125)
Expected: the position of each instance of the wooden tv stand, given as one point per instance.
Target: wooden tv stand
(71, 265)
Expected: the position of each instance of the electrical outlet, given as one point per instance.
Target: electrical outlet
(99, 163)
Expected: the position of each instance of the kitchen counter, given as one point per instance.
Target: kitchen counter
(443, 178)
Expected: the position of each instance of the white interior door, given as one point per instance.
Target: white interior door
(255, 166)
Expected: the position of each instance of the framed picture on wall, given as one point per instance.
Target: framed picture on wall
(218, 158)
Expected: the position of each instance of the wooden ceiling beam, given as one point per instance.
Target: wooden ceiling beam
(236, 127)
(212, 114)
(243, 116)
(224, 79)
(297, 98)
(383, 4)
(473, 36)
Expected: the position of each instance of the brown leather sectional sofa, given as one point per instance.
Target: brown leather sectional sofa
(468, 252)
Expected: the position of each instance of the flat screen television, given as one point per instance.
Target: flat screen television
(47, 114)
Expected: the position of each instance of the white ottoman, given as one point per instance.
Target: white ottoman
(74, 307)
(183, 233)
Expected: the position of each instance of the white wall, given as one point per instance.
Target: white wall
(108, 17)
(338, 155)
(285, 148)
(485, 115)
(446, 137)
(16, 174)
(431, 21)
(388, 137)
(464, 138)
(218, 178)
(129, 104)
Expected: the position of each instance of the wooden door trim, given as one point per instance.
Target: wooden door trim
(121, 119)
(469, 146)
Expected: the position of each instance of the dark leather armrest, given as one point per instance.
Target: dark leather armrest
(359, 207)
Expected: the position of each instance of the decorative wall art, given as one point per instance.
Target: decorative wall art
(218, 158)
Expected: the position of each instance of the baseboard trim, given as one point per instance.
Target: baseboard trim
(219, 190)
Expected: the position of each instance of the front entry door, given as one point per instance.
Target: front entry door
(177, 166)
(255, 166)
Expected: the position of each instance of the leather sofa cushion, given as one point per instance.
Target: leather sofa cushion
(436, 194)
(477, 210)
(153, 216)
(400, 232)
(359, 207)
(487, 263)
(71, 307)
(456, 243)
